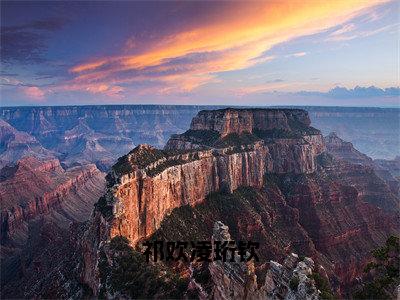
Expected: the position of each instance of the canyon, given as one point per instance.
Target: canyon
(38, 198)
(100, 134)
(265, 172)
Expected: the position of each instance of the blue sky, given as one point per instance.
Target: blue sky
(234, 53)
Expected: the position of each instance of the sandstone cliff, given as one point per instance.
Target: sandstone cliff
(149, 183)
(301, 199)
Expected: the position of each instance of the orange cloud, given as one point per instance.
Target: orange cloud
(235, 40)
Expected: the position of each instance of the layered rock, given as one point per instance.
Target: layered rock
(306, 200)
(387, 170)
(227, 121)
(32, 188)
(15, 144)
(345, 150)
(149, 183)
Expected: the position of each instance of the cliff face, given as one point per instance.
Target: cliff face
(41, 203)
(386, 170)
(300, 198)
(227, 121)
(345, 150)
(34, 188)
(143, 195)
(142, 201)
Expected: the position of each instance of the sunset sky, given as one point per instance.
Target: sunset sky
(283, 52)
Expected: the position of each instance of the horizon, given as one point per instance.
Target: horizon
(205, 105)
(195, 53)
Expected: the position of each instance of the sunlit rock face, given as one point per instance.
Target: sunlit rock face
(303, 193)
(227, 121)
(174, 177)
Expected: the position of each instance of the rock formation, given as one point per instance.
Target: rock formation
(345, 150)
(32, 188)
(149, 183)
(299, 197)
(41, 203)
(15, 144)
(238, 280)
(102, 133)
(387, 170)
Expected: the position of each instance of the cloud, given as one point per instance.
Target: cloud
(343, 30)
(10, 81)
(349, 32)
(33, 92)
(356, 92)
(267, 87)
(298, 54)
(238, 39)
(26, 43)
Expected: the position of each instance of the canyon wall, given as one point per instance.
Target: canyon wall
(227, 121)
(33, 188)
(145, 185)
(100, 134)
(143, 197)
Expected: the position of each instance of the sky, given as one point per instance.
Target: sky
(286, 52)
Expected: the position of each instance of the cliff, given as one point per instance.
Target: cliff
(387, 170)
(149, 183)
(227, 121)
(100, 134)
(34, 188)
(345, 150)
(297, 198)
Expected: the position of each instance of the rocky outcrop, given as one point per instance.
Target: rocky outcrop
(147, 184)
(228, 121)
(387, 170)
(299, 198)
(345, 150)
(33, 188)
(238, 280)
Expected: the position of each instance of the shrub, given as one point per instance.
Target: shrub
(103, 207)
(129, 274)
(294, 283)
